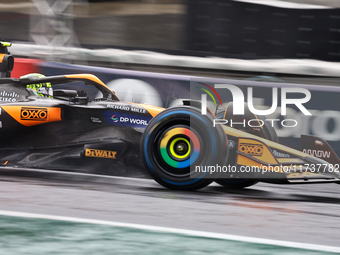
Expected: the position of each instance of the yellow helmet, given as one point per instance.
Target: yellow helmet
(40, 89)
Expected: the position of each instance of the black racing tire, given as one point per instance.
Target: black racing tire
(178, 140)
(270, 134)
(236, 183)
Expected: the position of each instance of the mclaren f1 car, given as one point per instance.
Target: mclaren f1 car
(55, 123)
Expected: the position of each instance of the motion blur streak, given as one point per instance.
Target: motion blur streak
(142, 235)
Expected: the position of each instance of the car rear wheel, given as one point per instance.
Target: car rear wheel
(269, 133)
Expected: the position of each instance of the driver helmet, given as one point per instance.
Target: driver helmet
(39, 89)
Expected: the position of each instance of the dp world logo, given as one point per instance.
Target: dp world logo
(114, 118)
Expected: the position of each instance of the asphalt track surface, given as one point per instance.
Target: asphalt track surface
(297, 213)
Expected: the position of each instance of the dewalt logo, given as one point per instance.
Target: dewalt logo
(251, 149)
(100, 153)
(28, 113)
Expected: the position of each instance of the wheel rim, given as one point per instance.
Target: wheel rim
(179, 147)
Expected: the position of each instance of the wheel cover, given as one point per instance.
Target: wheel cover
(180, 148)
(174, 141)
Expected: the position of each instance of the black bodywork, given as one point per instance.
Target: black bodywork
(73, 131)
(84, 127)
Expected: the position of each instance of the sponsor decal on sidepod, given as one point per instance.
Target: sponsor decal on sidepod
(124, 119)
(100, 153)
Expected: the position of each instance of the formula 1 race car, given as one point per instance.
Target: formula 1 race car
(55, 123)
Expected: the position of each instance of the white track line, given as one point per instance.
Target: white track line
(178, 231)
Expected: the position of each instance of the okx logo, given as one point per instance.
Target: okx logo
(39, 114)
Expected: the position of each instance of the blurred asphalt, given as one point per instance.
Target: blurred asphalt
(299, 213)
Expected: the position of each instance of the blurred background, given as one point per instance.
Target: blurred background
(243, 29)
(248, 43)
(268, 41)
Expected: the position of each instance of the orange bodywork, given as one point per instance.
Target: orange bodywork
(2, 57)
(31, 116)
(153, 110)
(257, 150)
